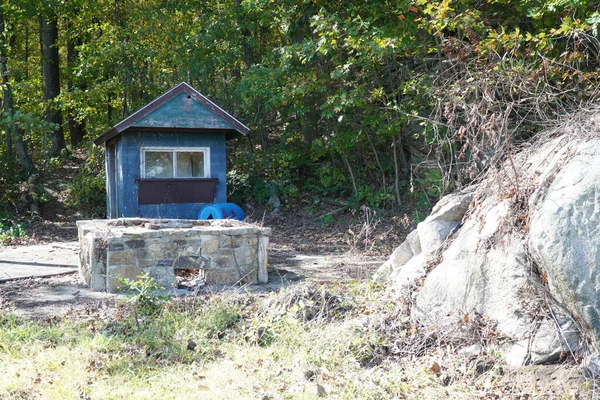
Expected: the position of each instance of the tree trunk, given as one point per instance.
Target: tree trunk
(397, 173)
(124, 106)
(4, 73)
(248, 56)
(249, 61)
(76, 127)
(51, 80)
(402, 157)
(13, 133)
(298, 31)
(377, 161)
(13, 128)
(264, 138)
(8, 142)
(354, 185)
(26, 50)
(109, 109)
(32, 193)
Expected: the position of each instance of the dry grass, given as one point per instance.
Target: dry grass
(307, 341)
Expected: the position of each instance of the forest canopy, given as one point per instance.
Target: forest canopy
(375, 102)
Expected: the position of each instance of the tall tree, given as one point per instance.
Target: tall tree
(13, 131)
(4, 73)
(51, 78)
(345, 97)
(76, 125)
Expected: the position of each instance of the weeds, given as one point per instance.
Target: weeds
(308, 303)
(9, 231)
(307, 341)
(144, 298)
(364, 239)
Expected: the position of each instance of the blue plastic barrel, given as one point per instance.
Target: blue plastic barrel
(222, 211)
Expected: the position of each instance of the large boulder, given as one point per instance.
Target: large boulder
(485, 272)
(525, 258)
(478, 275)
(564, 236)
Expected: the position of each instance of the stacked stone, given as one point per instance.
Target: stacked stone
(228, 252)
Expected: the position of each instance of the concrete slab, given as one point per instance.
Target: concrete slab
(38, 260)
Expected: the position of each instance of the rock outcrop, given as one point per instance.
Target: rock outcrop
(564, 236)
(521, 251)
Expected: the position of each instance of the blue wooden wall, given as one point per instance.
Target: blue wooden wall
(128, 170)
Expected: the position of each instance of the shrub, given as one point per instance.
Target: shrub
(87, 193)
(9, 231)
(144, 295)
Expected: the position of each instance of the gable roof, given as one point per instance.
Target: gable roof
(182, 108)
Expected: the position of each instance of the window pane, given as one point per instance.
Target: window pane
(159, 164)
(190, 164)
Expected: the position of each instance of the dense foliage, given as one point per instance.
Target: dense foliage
(353, 99)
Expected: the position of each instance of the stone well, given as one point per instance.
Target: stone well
(226, 252)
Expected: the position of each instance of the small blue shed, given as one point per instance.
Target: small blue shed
(167, 160)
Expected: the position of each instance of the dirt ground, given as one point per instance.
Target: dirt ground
(301, 248)
(348, 245)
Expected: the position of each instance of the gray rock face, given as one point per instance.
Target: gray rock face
(402, 254)
(477, 277)
(425, 240)
(404, 278)
(565, 236)
(549, 342)
(487, 267)
(444, 218)
(483, 272)
(592, 365)
(274, 202)
(414, 242)
(486, 273)
(399, 257)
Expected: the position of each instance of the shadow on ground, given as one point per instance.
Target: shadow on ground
(42, 281)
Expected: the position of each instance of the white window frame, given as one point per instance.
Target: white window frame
(174, 150)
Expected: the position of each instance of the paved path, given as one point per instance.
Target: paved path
(38, 260)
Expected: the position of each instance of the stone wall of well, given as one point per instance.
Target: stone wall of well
(228, 252)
